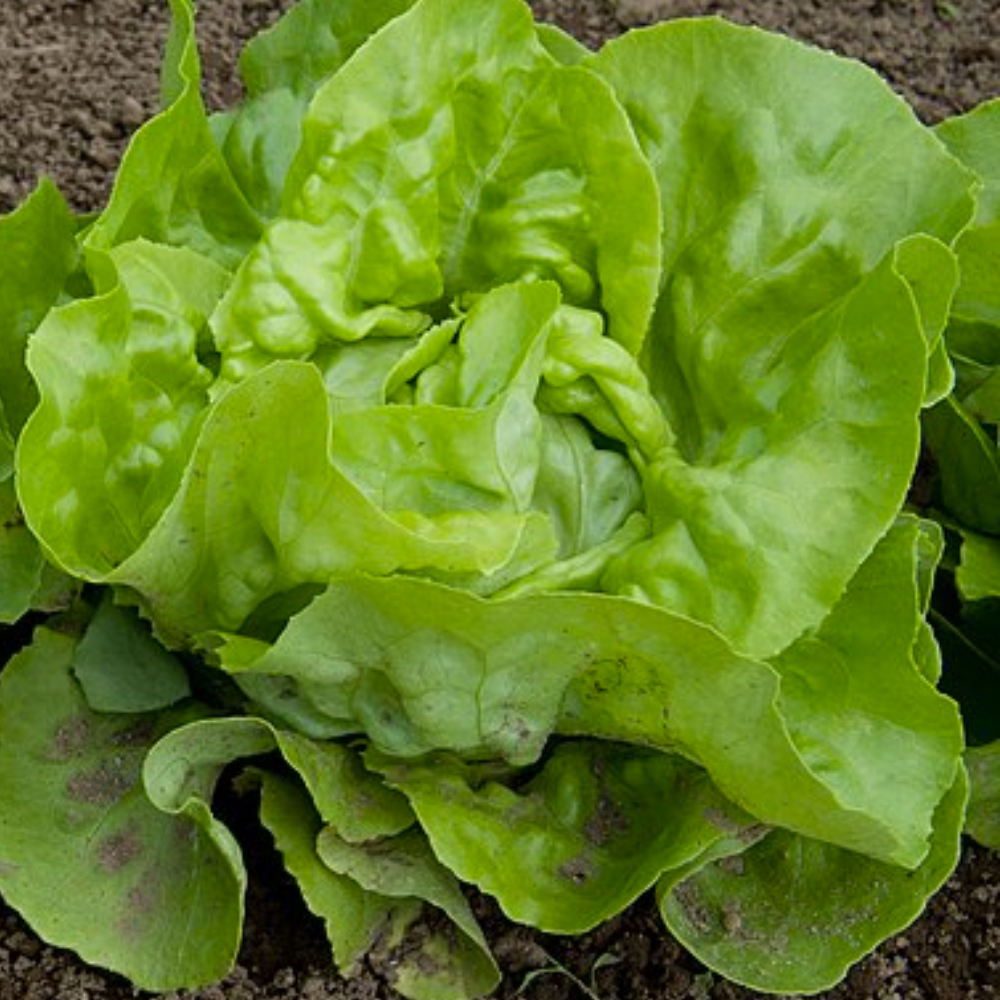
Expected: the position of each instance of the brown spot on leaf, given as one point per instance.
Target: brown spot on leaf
(117, 850)
(606, 822)
(417, 947)
(734, 865)
(731, 919)
(71, 739)
(139, 734)
(698, 915)
(141, 902)
(102, 785)
(577, 870)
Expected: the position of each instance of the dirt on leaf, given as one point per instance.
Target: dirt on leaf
(77, 78)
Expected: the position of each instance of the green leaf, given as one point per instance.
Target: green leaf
(467, 197)
(353, 803)
(982, 818)
(173, 185)
(419, 667)
(38, 250)
(431, 962)
(758, 530)
(583, 838)
(978, 573)
(21, 561)
(123, 394)
(784, 318)
(281, 69)
(84, 856)
(853, 697)
(311, 42)
(282, 515)
(791, 915)
(561, 45)
(355, 919)
(974, 138)
(122, 668)
(968, 465)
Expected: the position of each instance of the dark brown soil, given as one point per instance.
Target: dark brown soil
(76, 77)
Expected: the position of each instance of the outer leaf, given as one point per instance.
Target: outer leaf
(122, 668)
(354, 804)
(854, 697)
(930, 269)
(173, 185)
(783, 322)
(791, 915)
(123, 394)
(37, 251)
(562, 45)
(21, 561)
(975, 139)
(85, 858)
(430, 963)
(580, 840)
(355, 892)
(311, 42)
(420, 667)
(354, 918)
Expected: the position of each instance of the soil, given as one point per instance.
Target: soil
(77, 77)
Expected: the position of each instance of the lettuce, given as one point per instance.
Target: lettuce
(500, 458)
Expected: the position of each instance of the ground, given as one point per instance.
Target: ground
(76, 79)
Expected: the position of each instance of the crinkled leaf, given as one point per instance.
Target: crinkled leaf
(174, 185)
(355, 919)
(382, 223)
(84, 856)
(123, 393)
(420, 667)
(262, 510)
(791, 915)
(578, 841)
(439, 953)
(785, 349)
